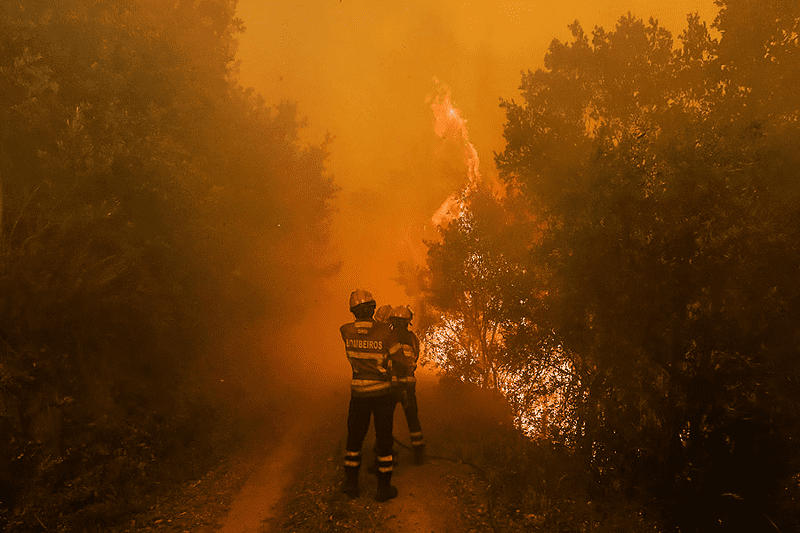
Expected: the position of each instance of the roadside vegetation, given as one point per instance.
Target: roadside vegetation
(631, 286)
(139, 186)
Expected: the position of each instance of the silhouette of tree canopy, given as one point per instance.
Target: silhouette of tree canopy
(467, 295)
(665, 179)
(149, 206)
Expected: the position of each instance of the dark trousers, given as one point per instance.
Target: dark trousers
(362, 408)
(412, 412)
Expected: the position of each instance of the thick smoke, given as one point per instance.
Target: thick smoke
(372, 76)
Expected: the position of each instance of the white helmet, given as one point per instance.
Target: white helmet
(360, 296)
(401, 312)
(383, 312)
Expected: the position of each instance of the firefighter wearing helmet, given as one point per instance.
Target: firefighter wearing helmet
(404, 353)
(372, 394)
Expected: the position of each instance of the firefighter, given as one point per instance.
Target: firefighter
(404, 353)
(371, 394)
(382, 315)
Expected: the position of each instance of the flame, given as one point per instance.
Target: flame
(448, 122)
(449, 210)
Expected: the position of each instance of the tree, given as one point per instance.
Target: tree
(478, 307)
(670, 206)
(139, 188)
(470, 270)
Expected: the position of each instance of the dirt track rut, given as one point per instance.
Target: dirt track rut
(295, 488)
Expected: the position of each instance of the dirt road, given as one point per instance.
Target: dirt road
(259, 498)
(295, 486)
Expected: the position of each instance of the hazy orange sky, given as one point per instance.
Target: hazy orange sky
(364, 71)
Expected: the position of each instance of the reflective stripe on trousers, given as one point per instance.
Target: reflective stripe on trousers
(385, 463)
(352, 459)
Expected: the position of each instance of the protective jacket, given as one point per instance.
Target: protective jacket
(367, 346)
(404, 353)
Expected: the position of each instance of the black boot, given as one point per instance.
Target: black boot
(386, 491)
(350, 485)
(419, 454)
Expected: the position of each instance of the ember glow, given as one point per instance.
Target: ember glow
(542, 395)
(453, 350)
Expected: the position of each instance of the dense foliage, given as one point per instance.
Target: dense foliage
(657, 188)
(149, 206)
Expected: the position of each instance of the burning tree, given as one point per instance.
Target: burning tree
(661, 274)
(479, 295)
(483, 305)
(470, 268)
(668, 177)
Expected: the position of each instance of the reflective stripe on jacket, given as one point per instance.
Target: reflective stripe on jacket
(367, 346)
